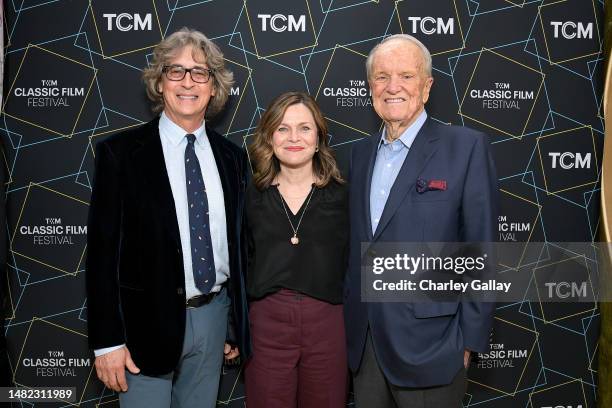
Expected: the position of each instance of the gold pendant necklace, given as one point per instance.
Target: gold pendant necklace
(294, 239)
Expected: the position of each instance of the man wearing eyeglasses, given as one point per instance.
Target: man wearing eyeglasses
(164, 281)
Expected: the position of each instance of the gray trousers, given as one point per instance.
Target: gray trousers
(195, 381)
(372, 390)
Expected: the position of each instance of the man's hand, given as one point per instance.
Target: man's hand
(230, 352)
(110, 368)
(466, 358)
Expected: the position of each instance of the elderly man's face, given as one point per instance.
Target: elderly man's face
(399, 85)
(185, 101)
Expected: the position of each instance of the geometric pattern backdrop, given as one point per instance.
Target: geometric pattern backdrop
(528, 73)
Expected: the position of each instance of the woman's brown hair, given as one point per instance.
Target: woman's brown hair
(267, 166)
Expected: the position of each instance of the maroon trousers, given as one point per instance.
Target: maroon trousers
(299, 353)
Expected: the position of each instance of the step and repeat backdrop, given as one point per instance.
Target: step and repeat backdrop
(529, 73)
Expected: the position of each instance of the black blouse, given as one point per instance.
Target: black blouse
(316, 266)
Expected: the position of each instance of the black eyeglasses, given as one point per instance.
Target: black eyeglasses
(178, 72)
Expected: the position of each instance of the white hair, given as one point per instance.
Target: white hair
(405, 38)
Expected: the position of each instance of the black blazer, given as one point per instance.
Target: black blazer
(135, 276)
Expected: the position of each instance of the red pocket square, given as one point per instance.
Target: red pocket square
(431, 185)
(436, 185)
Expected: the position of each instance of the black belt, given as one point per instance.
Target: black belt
(201, 300)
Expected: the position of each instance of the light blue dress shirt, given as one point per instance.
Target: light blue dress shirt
(389, 160)
(173, 142)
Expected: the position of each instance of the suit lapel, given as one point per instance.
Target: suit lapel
(151, 156)
(373, 149)
(422, 149)
(228, 174)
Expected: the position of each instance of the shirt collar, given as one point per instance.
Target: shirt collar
(409, 134)
(175, 133)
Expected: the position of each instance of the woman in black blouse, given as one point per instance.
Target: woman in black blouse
(297, 211)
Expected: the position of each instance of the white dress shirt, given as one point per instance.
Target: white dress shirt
(173, 143)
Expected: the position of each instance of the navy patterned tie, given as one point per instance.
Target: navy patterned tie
(201, 244)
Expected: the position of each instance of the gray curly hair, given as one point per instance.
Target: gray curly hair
(172, 45)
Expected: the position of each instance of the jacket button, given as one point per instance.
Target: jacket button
(178, 250)
(372, 253)
(179, 291)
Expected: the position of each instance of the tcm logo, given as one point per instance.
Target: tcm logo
(430, 25)
(571, 30)
(128, 22)
(280, 23)
(564, 290)
(569, 160)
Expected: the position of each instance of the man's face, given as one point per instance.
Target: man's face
(185, 101)
(398, 82)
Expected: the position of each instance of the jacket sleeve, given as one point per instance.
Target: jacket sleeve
(480, 207)
(244, 173)
(104, 319)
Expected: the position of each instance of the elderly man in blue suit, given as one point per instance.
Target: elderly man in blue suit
(415, 354)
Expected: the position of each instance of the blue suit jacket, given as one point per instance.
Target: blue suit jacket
(422, 344)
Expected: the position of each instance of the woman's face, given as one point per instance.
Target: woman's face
(294, 141)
